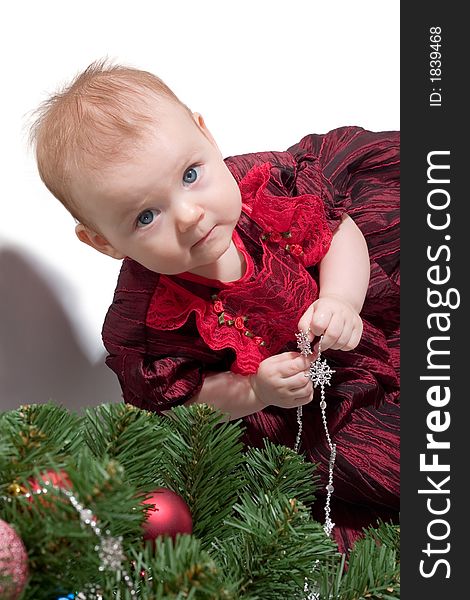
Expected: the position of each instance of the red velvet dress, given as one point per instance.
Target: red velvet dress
(164, 333)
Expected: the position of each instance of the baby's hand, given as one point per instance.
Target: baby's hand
(335, 319)
(281, 381)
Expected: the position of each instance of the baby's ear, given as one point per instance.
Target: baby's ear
(96, 241)
(199, 120)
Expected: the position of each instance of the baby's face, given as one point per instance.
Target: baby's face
(172, 207)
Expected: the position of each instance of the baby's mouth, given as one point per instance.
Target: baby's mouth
(204, 238)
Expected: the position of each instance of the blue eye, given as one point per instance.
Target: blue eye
(146, 217)
(191, 175)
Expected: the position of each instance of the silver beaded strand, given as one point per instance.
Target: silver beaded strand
(320, 374)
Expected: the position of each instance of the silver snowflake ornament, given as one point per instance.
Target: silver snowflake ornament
(320, 373)
(303, 342)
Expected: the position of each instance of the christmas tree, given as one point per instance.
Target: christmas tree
(123, 503)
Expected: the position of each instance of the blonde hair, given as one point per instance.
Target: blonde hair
(92, 122)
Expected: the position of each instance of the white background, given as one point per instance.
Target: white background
(262, 72)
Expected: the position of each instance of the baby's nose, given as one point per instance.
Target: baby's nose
(188, 215)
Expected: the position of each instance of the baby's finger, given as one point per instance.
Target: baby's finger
(300, 400)
(321, 318)
(294, 366)
(304, 398)
(284, 357)
(354, 339)
(304, 323)
(332, 333)
(343, 341)
(299, 385)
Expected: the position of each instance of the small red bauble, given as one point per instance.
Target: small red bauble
(13, 563)
(60, 480)
(170, 515)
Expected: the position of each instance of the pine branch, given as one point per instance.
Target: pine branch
(132, 437)
(33, 433)
(62, 555)
(273, 545)
(373, 569)
(207, 474)
(56, 542)
(9, 453)
(180, 570)
(279, 468)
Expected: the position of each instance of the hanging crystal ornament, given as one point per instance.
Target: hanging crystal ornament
(320, 374)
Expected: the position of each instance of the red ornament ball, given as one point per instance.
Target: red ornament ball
(13, 563)
(169, 515)
(60, 480)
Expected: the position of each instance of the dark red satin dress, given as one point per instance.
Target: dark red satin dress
(164, 333)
